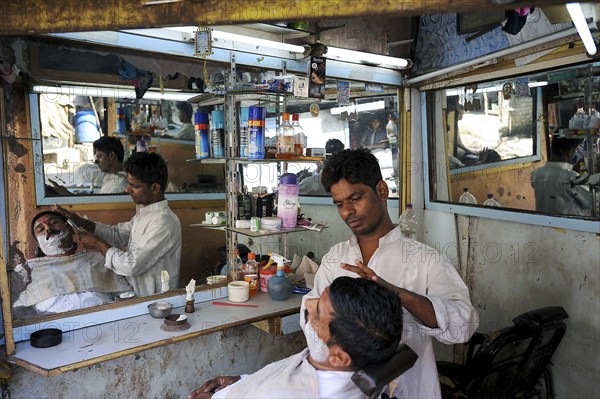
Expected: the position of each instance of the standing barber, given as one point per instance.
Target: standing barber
(151, 241)
(434, 297)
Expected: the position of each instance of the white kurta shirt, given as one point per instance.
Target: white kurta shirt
(553, 191)
(114, 183)
(141, 248)
(418, 268)
(293, 377)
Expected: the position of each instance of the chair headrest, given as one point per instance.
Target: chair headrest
(374, 377)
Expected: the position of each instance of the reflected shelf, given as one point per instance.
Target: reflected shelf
(266, 160)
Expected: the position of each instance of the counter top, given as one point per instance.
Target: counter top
(95, 344)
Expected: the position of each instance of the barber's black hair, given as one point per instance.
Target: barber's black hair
(561, 146)
(366, 320)
(356, 166)
(39, 215)
(108, 144)
(149, 167)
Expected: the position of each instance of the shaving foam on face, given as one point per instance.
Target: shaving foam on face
(51, 245)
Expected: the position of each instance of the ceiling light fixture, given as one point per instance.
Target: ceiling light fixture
(114, 92)
(583, 29)
(366, 58)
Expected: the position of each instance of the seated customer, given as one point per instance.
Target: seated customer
(355, 322)
(311, 185)
(61, 279)
(552, 182)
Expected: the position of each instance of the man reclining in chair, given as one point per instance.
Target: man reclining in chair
(61, 279)
(355, 322)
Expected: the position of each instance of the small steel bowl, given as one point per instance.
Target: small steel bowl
(46, 338)
(159, 310)
(175, 320)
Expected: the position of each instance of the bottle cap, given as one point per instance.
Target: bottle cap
(295, 117)
(465, 189)
(409, 206)
(251, 255)
(285, 116)
(288, 178)
(490, 195)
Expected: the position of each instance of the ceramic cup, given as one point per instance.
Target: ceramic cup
(238, 291)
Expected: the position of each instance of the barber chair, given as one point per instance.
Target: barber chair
(512, 362)
(373, 378)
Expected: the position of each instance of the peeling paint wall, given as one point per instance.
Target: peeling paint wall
(171, 371)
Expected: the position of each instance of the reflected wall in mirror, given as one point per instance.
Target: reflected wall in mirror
(72, 119)
(527, 142)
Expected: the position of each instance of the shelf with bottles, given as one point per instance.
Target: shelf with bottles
(578, 133)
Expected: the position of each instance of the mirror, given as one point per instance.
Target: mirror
(72, 118)
(527, 142)
(367, 121)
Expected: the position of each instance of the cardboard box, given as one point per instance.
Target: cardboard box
(300, 86)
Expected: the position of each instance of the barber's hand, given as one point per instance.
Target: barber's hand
(92, 242)
(212, 386)
(81, 223)
(56, 189)
(361, 269)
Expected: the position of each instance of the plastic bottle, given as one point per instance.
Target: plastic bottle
(466, 197)
(279, 287)
(250, 272)
(287, 200)
(490, 201)
(121, 123)
(153, 122)
(202, 137)
(408, 223)
(217, 134)
(256, 132)
(285, 138)
(235, 267)
(391, 130)
(135, 123)
(299, 136)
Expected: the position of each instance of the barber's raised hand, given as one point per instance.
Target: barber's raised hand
(78, 220)
(361, 269)
(212, 386)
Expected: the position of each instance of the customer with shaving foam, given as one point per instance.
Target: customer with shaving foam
(61, 278)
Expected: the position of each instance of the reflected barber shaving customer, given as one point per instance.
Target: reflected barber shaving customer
(150, 242)
(61, 278)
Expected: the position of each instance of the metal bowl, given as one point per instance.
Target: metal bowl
(159, 310)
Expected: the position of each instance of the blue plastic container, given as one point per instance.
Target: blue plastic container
(86, 127)
(217, 134)
(279, 287)
(256, 132)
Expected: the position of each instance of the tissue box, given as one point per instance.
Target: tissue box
(315, 152)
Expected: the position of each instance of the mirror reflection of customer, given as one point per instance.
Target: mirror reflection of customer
(355, 322)
(377, 135)
(151, 241)
(186, 131)
(61, 279)
(435, 298)
(552, 182)
(311, 185)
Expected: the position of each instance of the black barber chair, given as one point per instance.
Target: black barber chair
(512, 362)
(373, 378)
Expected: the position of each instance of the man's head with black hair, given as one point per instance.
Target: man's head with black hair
(147, 175)
(53, 234)
(109, 154)
(355, 166)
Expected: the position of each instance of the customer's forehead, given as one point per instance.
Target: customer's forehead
(48, 219)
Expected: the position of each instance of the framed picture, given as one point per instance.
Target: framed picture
(203, 42)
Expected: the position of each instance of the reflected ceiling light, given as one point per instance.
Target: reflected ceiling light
(366, 58)
(373, 106)
(538, 84)
(116, 92)
(583, 29)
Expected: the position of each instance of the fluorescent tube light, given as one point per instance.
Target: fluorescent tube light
(538, 84)
(234, 37)
(372, 106)
(583, 29)
(116, 92)
(368, 58)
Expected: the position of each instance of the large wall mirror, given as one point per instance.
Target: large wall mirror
(71, 118)
(527, 143)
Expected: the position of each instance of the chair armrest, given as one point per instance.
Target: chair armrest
(374, 377)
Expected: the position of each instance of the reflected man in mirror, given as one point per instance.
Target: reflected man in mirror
(186, 131)
(61, 279)
(554, 192)
(355, 322)
(311, 185)
(109, 155)
(151, 241)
